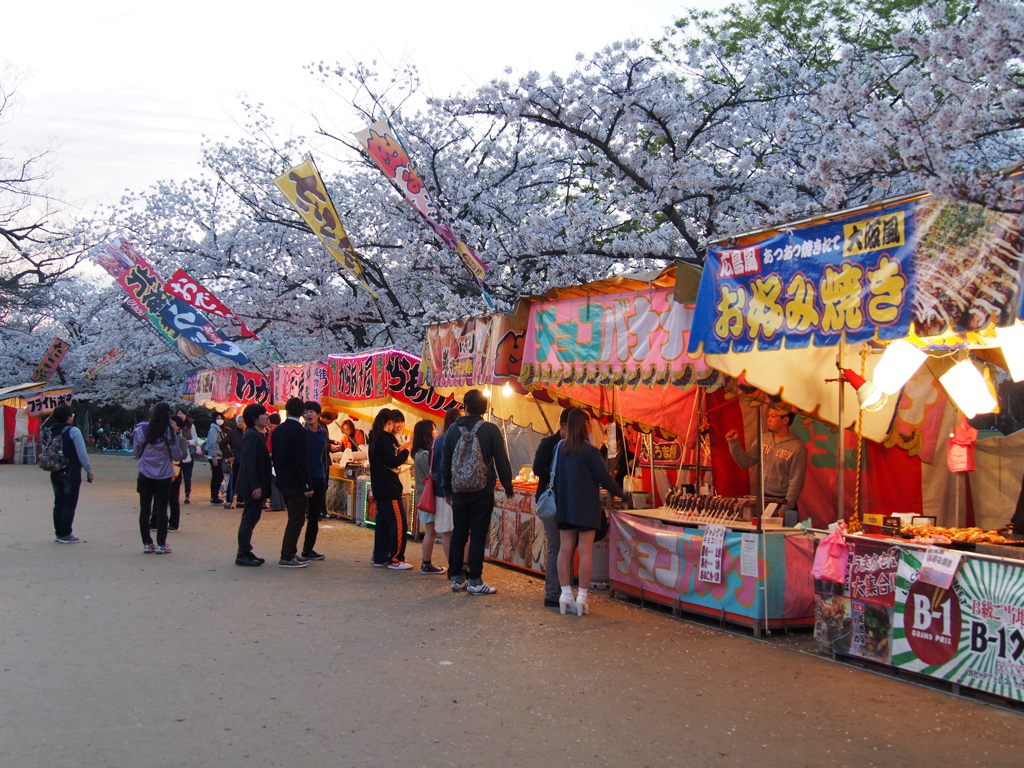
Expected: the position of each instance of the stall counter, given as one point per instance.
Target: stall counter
(756, 579)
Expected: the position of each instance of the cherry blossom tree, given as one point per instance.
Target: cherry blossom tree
(37, 245)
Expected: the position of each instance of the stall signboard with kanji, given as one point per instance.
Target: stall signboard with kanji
(43, 403)
(931, 263)
(250, 387)
(307, 381)
(636, 332)
(379, 378)
(971, 634)
(188, 387)
(459, 354)
(856, 617)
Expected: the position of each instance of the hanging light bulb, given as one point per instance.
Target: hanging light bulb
(487, 392)
(869, 396)
(966, 386)
(507, 389)
(900, 361)
(1012, 341)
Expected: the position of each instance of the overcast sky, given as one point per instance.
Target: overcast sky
(127, 90)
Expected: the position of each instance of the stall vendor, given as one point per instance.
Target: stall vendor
(784, 457)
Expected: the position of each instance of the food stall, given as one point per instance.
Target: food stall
(22, 409)
(220, 388)
(360, 385)
(485, 352)
(618, 349)
(917, 301)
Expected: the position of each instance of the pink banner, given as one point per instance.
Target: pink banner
(633, 335)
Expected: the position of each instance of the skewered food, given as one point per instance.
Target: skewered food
(972, 535)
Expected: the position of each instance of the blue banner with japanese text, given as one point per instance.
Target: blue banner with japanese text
(931, 265)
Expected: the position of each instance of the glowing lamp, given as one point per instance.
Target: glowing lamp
(900, 361)
(1012, 341)
(487, 392)
(966, 386)
(869, 397)
(507, 389)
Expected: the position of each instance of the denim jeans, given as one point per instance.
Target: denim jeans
(186, 474)
(66, 485)
(472, 515)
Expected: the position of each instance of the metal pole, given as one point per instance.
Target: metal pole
(840, 448)
(760, 464)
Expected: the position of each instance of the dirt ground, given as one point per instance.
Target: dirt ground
(111, 658)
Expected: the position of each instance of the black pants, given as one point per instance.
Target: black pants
(216, 479)
(251, 513)
(297, 504)
(471, 514)
(153, 505)
(317, 509)
(389, 531)
(173, 505)
(186, 474)
(66, 485)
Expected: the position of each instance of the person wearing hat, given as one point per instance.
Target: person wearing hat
(784, 457)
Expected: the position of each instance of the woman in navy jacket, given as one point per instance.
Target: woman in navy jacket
(579, 476)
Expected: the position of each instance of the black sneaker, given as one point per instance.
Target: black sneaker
(313, 555)
(293, 563)
(302, 559)
(249, 560)
(217, 501)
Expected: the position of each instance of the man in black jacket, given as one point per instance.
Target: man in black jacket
(471, 509)
(253, 480)
(290, 453)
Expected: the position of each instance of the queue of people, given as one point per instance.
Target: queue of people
(464, 464)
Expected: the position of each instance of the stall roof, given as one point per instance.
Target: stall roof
(685, 280)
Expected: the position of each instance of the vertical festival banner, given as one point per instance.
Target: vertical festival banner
(305, 190)
(386, 151)
(192, 292)
(43, 372)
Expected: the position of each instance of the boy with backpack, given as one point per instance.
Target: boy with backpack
(63, 455)
(473, 458)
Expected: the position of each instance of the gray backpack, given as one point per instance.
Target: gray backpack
(469, 472)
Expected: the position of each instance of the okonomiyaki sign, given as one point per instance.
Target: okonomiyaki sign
(934, 263)
(621, 330)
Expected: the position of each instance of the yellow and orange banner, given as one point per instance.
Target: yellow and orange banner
(305, 190)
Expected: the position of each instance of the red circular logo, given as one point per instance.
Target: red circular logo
(931, 622)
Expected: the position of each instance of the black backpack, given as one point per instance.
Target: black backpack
(51, 451)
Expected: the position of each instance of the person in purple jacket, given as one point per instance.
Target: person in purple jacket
(156, 447)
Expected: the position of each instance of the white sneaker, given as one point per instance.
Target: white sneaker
(400, 566)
